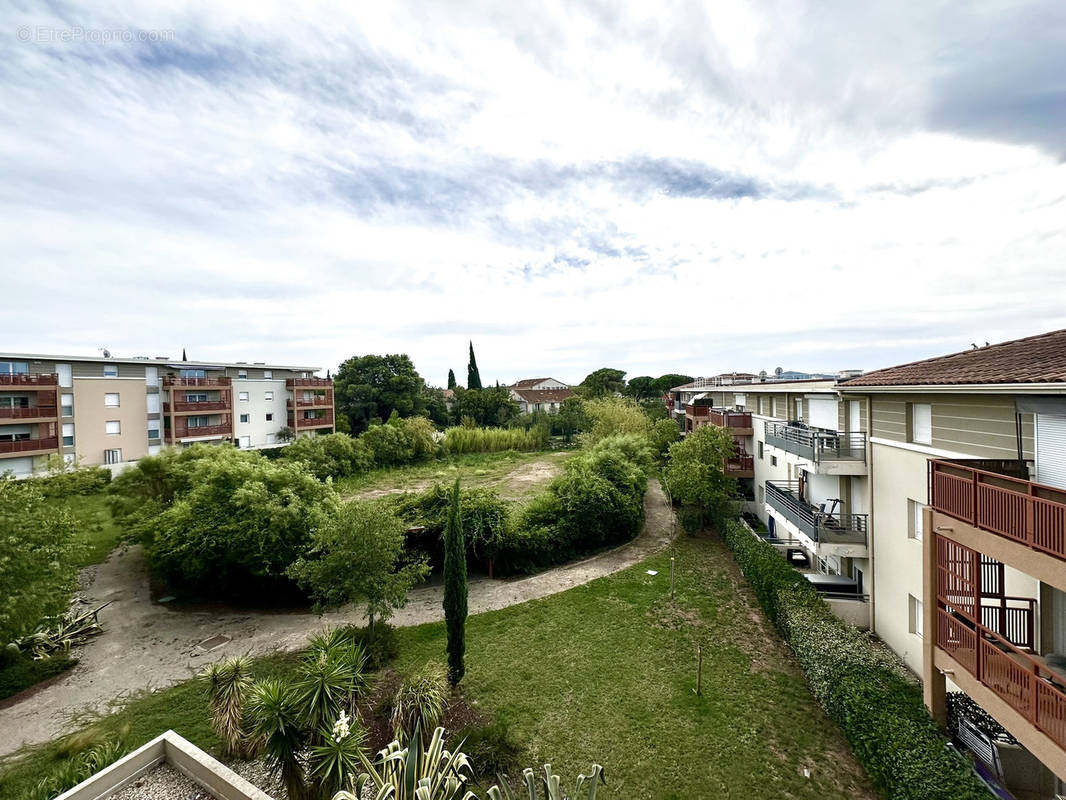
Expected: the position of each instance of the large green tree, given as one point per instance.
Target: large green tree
(640, 387)
(665, 383)
(488, 407)
(369, 387)
(604, 381)
(473, 376)
(455, 589)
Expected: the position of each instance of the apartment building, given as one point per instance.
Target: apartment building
(113, 411)
(968, 455)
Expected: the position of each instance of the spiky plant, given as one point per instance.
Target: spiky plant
(228, 683)
(584, 789)
(330, 678)
(274, 719)
(420, 701)
(333, 762)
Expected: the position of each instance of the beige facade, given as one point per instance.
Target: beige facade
(110, 420)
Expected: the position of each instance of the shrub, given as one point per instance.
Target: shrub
(695, 473)
(862, 688)
(609, 416)
(420, 701)
(388, 444)
(68, 479)
(493, 440)
(380, 645)
(333, 455)
(422, 437)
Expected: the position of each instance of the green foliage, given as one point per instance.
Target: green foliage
(68, 479)
(604, 381)
(287, 434)
(654, 408)
(491, 406)
(695, 476)
(78, 767)
(236, 521)
(332, 455)
(455, 589)
(585, 787)
(39, 555)
(665, 383)
(419, 771)
(422, 438)
(19, 671)
(864, 689)
(368, 387)
(274, 719)
(609, 416)
(492, 747)
(473, 375)
(451, 379)
(228, 683)
(379, 644)
(640, 387)
(664, 433)
(419, 702)
(494, 440)
(571, 418)
(358, 557)
(388, 444)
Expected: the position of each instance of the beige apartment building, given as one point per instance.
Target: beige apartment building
(968, 544)
(113, 411)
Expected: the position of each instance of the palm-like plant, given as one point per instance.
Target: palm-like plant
(228, 683)
(584, 789)
(331, 677)
(275, 720)
(420, 701)
(333, 762)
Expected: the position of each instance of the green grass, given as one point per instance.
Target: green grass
(96, 529)
(474, 469)
(605, 672)
(23, 672)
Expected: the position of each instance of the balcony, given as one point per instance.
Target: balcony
(27, 380)
(319, 401)
(326, 420)
(990, 496)
(28, 412)
(28, 446)
(221, 403)
(174, 380)
(833, 533)
(182, 430)
(740, 466)
(308, 383)
(832, 452)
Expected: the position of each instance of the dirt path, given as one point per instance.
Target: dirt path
(148, 646)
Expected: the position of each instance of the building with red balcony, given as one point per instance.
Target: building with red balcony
(29, 417)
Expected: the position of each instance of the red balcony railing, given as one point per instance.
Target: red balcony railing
(174, 380)
(1019, 679)
(730, 419)
(28, 412)
(1025, 512)
(740, 463)
(308, 382)
(315, 422)
(320, 401)
(25, 379)
(30, 445)
(205, 406)
(225, 429)
(697, 411)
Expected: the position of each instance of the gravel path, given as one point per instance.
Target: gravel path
(147, 646)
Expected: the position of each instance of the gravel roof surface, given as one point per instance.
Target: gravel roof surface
(163, 783)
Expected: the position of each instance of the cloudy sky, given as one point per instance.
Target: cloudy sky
(656, 187)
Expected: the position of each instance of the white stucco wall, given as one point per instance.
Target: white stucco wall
(257, 407)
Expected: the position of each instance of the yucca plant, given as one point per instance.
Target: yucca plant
(330, 679)
(584, 789)
(333, 762)
(275, 720)
(228, 683)
(420, 701)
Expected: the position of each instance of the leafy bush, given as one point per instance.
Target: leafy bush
(864, 689)
(610, 416)
(333, 455)
(380, 644)
(79, 767)
(38, 558)
(695, 476)
(664, 433)
(422, 437)
(69, 479)
(494, 440)
(388, 444)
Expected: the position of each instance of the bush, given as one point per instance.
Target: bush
(421, 436)
(388, 444)
(494, 440)
(864, 689)
(69, 479)
(610, 416)
(380, 645)
(333, 455)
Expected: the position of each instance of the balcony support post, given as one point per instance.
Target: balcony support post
(934, 684)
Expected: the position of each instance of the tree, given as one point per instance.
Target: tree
(608, 416)
(358, 557)
(665, 383)
(488, 407)
(604, 381)
(571, 418)
(473, 377)
(694, 473)
(372, 386)
(436, 406)
(455, 589)
(640, 387)
(333, 455)
(389, 444)
(664, 433)
(38, 554)
(451, 378)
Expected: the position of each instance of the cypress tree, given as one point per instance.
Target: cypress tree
(473, 377)
(451, 379)
(455, 589)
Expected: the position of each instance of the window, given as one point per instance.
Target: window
(113, 456)
(773, 406)
(112, 426)
(921, 423)
(110, 370)
(799, 408)
(268, 373)
(760, 451)
(68, 434)
(242, 373)
(111, 400)
(14, 368)
(153, 429)
(917, 625)
(67, 402)
(152, 403)
(268, 395)
(199, 421)
(194, 373)
(245, 417)
(270, 417)
(196, 397)
(14, 401)
(773, 461)
(915, 521)
(242, 395)
(740, 400)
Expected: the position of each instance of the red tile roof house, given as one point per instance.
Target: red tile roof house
(540, 394)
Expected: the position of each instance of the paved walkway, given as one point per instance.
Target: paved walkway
(147, 646)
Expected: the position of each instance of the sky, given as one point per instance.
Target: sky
(655, 187)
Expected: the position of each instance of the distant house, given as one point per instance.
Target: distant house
(540, 394)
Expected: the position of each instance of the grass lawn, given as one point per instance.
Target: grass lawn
(517, 476)
(605, 672)
(97, 530)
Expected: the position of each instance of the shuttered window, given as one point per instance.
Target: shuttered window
(921, 423)
(1051, 450)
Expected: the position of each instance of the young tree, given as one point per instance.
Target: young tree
(451, 378)
(473, 377)
(372, 386)
(359, 558)
(455, 589)
(695, 473)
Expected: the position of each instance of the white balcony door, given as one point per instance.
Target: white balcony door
(1051, 450)
(823, 411)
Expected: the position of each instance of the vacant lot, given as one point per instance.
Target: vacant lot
(516, 476)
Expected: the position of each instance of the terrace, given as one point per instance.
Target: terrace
(816, 445)
(832, 532)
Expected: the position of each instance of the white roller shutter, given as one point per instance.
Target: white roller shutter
(823, 413)
(1051, 450)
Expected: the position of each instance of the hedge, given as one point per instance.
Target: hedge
(864, 689)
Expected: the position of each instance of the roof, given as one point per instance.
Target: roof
(157, 361)
(529, 383)
(543, 395)
(1034, 359)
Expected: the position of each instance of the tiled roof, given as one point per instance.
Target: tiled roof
(543, 395)
(529, 383)
(1035, 359)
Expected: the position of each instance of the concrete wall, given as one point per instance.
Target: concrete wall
(90, 416)
(257, 407)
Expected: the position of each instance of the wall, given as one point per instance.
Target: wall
(256, 407)
(90, 414)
